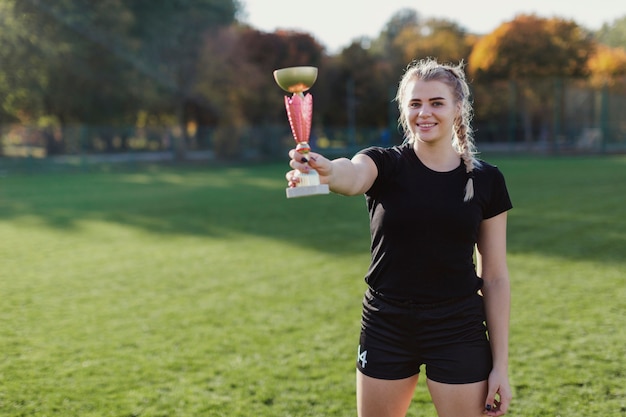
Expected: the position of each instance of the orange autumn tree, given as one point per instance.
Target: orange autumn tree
(528, 52)
(607, 66)
(530, 46)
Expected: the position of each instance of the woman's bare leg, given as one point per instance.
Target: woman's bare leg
(455, 400)
(383, 398)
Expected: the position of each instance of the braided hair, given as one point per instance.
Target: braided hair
(454, 77)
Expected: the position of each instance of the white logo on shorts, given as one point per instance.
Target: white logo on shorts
(362, 357)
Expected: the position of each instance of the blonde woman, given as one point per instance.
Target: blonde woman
(432, 207)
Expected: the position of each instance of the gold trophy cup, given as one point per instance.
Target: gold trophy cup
(299, 108)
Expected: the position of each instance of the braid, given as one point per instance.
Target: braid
(463, 139)
(465, 148)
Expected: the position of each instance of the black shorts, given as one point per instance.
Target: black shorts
(449, 338)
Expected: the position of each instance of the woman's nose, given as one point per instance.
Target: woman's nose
(424, 111)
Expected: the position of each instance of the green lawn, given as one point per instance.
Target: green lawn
(205, 292)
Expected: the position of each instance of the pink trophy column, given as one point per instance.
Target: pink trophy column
(299, 108)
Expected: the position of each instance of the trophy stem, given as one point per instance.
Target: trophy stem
(299, 106)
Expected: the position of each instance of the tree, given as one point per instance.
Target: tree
(526, 50)
(530, 46)
(20, 69)
(170, 35)
(385, 46)
(439, 38)
(613, 34)
(400, 20)
(267, 52)
(51, 50)
(236, 88)
(359, 85)
(101, 63)
(607, 65)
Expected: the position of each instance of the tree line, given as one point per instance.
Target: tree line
(116, 75)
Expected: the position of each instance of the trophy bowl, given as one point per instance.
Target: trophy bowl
(295, 79)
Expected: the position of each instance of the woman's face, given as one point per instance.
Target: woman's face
(430, 111)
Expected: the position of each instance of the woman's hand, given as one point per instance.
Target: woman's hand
(302, 163)
(344, 176)
(498, 395)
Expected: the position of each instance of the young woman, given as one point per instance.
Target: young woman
(432, 207)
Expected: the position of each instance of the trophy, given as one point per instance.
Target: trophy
(299, 108)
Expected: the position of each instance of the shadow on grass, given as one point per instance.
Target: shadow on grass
(222, 203)
(565, 207)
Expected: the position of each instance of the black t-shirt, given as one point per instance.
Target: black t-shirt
(422, 232)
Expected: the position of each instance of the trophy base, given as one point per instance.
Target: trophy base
(307, 190)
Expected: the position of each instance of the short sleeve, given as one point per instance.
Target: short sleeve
(385, 160)
(500, 200)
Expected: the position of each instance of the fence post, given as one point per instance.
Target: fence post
(351, 110)
(512, 111)
(604, 117)
(558, 113)
(82, 146)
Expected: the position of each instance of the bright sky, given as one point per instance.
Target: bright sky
(335, 23)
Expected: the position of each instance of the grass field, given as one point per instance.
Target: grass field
(204, 292)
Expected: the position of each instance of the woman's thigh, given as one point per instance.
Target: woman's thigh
(454, 400)
(384, 397)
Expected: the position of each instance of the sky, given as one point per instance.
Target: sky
(335, 23)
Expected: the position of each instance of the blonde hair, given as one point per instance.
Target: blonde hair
(454, 77)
